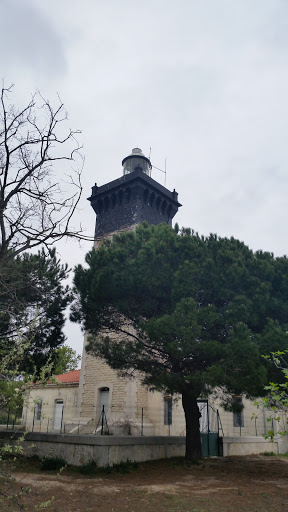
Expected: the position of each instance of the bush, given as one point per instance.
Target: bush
(125, 467)
(53, 463)
(88, 469)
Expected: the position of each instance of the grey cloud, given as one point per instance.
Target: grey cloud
(28, 42)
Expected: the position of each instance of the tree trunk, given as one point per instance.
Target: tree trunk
(192, 416)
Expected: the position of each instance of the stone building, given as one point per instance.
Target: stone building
(96, 399)
(47, 408)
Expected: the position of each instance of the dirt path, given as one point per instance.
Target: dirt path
(217, 485)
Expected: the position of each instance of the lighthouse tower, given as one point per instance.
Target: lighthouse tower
(121, 205)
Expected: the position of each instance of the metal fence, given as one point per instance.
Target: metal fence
(210, 421)
(11, 419)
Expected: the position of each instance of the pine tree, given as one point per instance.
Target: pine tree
(199, 307)
(33, 300)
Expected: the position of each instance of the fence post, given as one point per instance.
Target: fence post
(208, 426)
(33, 419)
(264, 421)
(142, 421)
(102, 420)
(218, 431)
(62, 419)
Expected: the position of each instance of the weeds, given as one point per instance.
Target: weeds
(53, 464)
(125, 467)
(90, 468)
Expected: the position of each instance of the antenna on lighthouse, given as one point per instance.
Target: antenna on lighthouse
(161, 170)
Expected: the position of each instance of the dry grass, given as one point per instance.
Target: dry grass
(238, 484)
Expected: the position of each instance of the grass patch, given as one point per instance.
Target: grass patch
(268, 454)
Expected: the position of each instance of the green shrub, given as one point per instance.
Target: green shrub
(125, 467)
(268, 454)
(34, 457)
(53, 463)
(88, 469)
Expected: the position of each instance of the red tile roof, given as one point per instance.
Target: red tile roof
(69, 377)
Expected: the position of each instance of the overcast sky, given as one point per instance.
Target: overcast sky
(204, 83)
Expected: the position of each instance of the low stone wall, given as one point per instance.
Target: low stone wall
(104, 450)
(248, 445)
(109, 450)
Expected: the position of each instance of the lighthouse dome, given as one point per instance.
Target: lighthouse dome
(136, 161)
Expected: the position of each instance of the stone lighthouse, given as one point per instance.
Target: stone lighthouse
(121, 205)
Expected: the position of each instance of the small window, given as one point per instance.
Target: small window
(237, 407)
(167, 410)
(38, 409)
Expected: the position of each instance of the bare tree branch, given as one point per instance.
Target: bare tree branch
(39, 189)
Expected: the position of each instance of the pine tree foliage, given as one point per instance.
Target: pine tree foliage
(33, 300)
(192, 314)
(40, 188)
(66, 360)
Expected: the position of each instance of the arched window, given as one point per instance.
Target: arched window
(103, 400)
(167, 410)
(237, 408)
(38, 409)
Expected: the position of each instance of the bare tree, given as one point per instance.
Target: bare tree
(36, 205)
